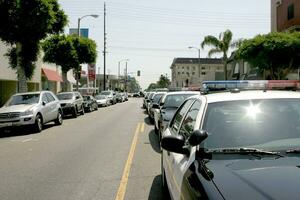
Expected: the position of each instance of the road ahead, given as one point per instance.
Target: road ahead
(96, 156)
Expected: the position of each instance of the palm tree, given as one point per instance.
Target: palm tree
(220, 45)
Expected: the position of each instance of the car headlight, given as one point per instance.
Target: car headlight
(27, 112)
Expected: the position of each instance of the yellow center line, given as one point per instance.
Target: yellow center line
(124, 180)
(142, 127)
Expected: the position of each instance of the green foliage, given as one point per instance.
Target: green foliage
(275, 53)
(163, 82)
(220, 45)
(69, 51)
(23, 24)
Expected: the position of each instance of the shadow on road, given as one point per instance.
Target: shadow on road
(153, 138)
(156, 192)
(21, 131)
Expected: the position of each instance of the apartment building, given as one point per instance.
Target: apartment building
(46, 77)
(285, 15)
(192, 71)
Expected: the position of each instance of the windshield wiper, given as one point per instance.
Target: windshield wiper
(293, 151)
(245, 151)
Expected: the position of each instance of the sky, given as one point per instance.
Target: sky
(151, 33)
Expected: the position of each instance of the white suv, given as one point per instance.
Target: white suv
(32, 108)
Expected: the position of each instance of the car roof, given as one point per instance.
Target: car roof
(183, 92)
(67, 92)
(24, 93)
(253, 94)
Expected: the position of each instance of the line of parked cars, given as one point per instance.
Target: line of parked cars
(34, 109)
(234, 140)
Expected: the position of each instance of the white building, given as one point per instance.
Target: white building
(191, 72)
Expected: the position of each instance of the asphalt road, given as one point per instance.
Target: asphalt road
(112, 153)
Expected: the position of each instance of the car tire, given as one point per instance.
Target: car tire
(38, 124)
(90, 109)
(74, 114)
(156, 129)
(59, 120)
(82, 110)
(96, 107)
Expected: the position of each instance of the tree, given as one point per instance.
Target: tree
(152, 86)
(23, 24)
(163, 82)
(275, 53)
(69, 52)
(220, 45)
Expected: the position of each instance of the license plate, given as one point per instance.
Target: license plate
(6, 124)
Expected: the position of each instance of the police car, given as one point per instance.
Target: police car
(241, 142)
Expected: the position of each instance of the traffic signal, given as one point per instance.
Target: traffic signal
(138, 73)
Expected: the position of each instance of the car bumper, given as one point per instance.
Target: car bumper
(101, 103)
(21, 121)
(67, 110)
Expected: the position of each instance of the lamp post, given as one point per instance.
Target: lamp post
(119, 69)
(191, 47)
(78, 34)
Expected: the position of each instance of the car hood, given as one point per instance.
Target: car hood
(167, 114)
(268, 178)
(66, 101)
(16, 108)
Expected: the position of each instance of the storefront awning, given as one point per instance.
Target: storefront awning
(70, 77)
(52, 75)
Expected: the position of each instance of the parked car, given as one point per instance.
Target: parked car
(166, 107)
(120, 98)
(89, 103)
(111, 95)
(234, 144)
(125, 95)
(71, 103)
(31, 109)
(149, 100)
(156, 97)
(102, 100)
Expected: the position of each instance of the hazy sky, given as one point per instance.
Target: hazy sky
(151, 33)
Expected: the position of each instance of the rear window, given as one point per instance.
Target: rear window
(65, 96)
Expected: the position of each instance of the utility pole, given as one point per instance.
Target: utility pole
(126, 77)
(104, 51)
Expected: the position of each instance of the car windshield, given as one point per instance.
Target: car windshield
(272, 124)
(105, 93)
(86, 98)
(99, 97)
(174, 101)
(65, 96)
(23, 99)
(157, 97)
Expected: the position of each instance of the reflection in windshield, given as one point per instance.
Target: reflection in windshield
(259, 123)
(99, 97)
(174, 101)
(24, 99)
(65, 96)
(157, 97)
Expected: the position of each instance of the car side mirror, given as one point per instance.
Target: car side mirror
(174, 143)
(161, 104)
(197, 137)
(44, 103)
(155, 106)
(77, 97)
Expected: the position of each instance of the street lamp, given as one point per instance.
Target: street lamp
(78, 34)
(191, 47)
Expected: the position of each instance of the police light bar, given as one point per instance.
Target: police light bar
(250, 85)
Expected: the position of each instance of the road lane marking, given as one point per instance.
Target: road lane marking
(124, 180)
(142, 127)
(27, 140)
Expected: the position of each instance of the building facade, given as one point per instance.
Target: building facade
(190, 72)
(285, 15)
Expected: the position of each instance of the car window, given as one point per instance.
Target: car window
(23, 99)
(174, 101)
(44, 98)
(179, 116)
(65, 96)
(187, 126)
(50, 97)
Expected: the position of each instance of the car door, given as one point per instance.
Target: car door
(170, 157)
(182, 162)
(53, 111)
(45, 109)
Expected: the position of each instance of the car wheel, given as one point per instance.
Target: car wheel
(155, 129)
(38, 124)
(74, 112)
(59, 119)
(96, 107)
(82, 110)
